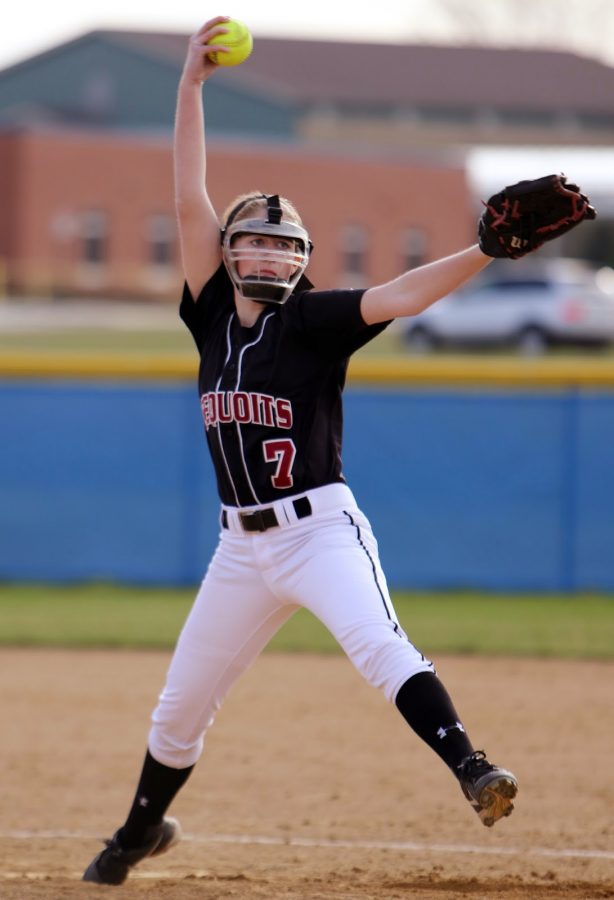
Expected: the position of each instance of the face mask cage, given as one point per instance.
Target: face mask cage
(261, 283)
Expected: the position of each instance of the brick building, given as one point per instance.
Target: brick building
(92, 214)
(364, 138)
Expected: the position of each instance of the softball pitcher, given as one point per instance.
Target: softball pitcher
(273, 359)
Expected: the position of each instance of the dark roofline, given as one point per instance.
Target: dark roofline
(397, 75)
(305, 71)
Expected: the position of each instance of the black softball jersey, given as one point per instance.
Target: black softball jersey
(270, 394)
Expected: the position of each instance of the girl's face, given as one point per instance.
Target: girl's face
(262, 256)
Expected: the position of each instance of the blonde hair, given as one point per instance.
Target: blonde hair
(255, 202)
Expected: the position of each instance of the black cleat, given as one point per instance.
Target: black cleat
(113, 864)
(489, 789)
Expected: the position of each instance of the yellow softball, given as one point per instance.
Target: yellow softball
(239, 41)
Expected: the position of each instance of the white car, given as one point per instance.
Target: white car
(530, 305)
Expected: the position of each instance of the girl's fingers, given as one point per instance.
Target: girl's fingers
(219, 20)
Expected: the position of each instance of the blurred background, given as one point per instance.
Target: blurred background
(476, 435)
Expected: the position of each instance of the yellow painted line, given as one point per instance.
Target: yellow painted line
(98, 366)
(454, 370)
(486, 372)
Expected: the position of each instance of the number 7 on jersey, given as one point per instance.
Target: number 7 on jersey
(281, 451)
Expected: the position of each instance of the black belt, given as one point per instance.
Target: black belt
(263, 519)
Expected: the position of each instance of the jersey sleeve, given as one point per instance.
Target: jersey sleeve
(212, 302)
(332, 321)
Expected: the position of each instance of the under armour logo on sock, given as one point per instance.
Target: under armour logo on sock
(442, 732)
(143, 801)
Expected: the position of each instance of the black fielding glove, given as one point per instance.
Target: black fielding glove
(523, 216)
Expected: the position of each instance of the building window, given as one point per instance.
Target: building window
(160, 234)
(414, 247)
(94, 237)
(354, 242)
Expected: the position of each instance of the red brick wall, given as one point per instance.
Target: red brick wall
(67, 174)
(56, 176)
(9, 206)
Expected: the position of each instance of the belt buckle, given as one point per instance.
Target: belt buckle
(259, 519)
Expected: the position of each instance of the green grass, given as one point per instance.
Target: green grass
(163, 341)
(178, 342)
(101, 340)
(117, 616)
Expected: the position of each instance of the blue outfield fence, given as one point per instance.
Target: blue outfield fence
(466, 488)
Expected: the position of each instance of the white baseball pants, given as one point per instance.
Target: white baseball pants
(327, 562)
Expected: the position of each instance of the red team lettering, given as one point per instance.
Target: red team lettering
(243, 407)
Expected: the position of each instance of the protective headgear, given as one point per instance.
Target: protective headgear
(261, 284)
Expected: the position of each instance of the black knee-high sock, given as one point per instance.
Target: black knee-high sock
(157, 787)
(426, 706)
